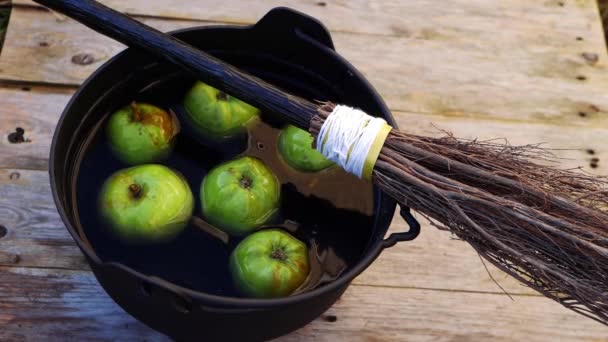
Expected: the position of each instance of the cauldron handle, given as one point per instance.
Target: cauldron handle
(292, 24)
(411, 234)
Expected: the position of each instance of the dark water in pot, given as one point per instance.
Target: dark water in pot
(329, 210)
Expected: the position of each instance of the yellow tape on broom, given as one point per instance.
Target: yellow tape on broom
(353, 140)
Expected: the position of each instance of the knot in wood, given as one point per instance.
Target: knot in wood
(83, 59)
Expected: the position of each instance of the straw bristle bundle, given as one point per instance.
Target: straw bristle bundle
(545, 226)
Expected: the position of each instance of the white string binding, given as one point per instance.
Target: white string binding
(347, 136)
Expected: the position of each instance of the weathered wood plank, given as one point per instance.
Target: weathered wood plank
(389, 17)
(382, 314)
(35, 235)
(56, 305)
(38, 304)
(460, 76)
(36, 110)
(53, 41)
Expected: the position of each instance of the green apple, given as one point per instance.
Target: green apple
(269, 264)
(295, 146)
(146, 203)
(240, 195)
(141, 133)
(216, 113)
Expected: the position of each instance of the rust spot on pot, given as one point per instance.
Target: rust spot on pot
(590, 151)
(43, 44)
(14, 176)
(591, 58)
(582, 114)
(17, 137)
(581, 78)
(321, 3)
(580, 39)
(330, 318)
(83, 59)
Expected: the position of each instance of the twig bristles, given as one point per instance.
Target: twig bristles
(545, 226)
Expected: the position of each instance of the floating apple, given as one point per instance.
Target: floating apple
(295, 146)
(216, 113)
(146, 203)
(240, 195)
(269, 264)
(142, 133)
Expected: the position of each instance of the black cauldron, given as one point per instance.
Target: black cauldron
(286, 48)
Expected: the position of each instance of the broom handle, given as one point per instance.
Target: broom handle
(209, 69)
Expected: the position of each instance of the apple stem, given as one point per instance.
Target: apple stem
(136, 114)
(136, 190)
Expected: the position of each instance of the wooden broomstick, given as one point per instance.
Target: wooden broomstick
(544, 226)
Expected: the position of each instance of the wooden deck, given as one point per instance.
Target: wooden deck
(530, 71)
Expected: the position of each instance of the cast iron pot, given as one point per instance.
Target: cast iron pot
(286, 48)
